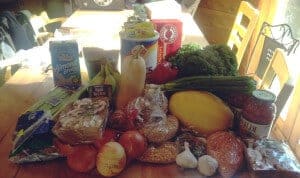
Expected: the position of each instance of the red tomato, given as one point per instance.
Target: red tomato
(63, 148)
(108, 135)
(134, 144)
(83, 158)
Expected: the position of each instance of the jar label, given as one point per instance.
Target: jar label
(237, 112)
(250, 129)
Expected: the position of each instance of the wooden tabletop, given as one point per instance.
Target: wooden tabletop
(101, 28)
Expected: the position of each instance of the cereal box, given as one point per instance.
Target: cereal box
(170, 34)
(65, 64)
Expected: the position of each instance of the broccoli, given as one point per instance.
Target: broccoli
(214, 60)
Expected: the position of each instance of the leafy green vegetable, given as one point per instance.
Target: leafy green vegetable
(213, 60)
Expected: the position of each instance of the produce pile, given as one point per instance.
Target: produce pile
(178, 114)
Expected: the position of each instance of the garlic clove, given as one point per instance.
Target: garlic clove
(207, 165)
(186, 159)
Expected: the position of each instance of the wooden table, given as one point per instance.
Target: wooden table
(101, 28)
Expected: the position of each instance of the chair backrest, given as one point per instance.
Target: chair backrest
(240, 35)
(278, 67)
(190, 6)
(40, 24)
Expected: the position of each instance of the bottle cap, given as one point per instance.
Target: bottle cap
(264, 95)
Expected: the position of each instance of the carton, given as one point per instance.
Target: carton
(65, 64)
(170, 37)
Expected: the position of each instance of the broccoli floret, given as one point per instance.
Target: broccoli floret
(211, 60)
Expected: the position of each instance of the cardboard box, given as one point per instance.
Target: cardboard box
(65, 64)
(170, 37)
(166, 9)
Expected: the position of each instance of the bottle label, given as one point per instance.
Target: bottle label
(250, 129)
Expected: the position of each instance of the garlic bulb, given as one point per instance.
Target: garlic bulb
(186, 159)
(207, 165)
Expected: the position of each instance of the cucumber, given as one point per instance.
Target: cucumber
(220, 84)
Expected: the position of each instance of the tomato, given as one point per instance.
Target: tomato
(63, 148)
(83, 158)
(134, 144)
(108, 135)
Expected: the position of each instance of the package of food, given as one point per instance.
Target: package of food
(266, 155)
(53, 101)
(82, 121)
(170, 37)
(33, 138)
(65, 64)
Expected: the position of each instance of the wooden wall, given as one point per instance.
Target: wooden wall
(216, 17)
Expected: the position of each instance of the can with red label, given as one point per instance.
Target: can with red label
(170, 34)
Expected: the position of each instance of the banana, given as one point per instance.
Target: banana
(109, 79)
(115, 73)
(99, 78)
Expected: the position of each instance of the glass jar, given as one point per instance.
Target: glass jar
(236, 103)
(257, 115)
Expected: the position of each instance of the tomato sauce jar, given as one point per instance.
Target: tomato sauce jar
(257, 115)
(236, 103)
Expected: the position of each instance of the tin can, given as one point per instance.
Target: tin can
(150, 57)
(65, 64)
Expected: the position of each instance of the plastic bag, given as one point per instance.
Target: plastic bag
(266, 154)
(33, 140)
(83, 121)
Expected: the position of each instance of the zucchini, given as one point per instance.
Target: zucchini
(219, 84)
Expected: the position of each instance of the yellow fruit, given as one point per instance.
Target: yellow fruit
(201, 111)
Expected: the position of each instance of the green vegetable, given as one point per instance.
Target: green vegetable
(218, 84)
(218, 60)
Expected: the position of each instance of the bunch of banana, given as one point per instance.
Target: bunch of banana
(107, 76)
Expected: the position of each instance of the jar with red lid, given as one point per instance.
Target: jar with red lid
(258, 114)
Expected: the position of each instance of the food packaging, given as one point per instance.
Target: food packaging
(65, 64)
(170, 37)
(82, 121)
(266, 155)
(33, 138)
(129, 44)
(170, 9)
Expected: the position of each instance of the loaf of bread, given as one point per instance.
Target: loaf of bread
(228, 150)
(82, 122)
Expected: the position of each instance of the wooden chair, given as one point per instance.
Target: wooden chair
(240, 34)
(278, 68)
(40, 25)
